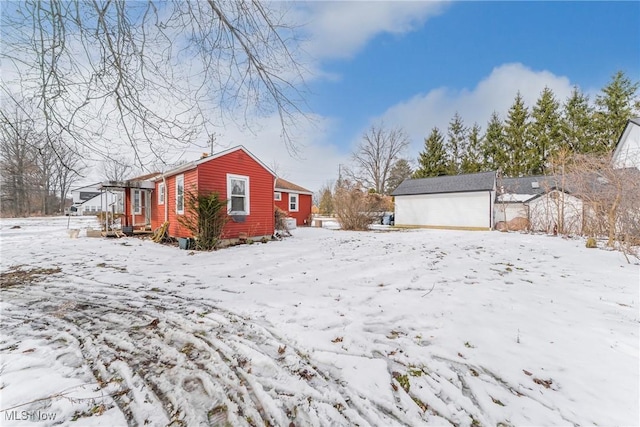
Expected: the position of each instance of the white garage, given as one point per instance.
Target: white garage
(459, 201)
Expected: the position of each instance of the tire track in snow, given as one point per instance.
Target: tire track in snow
(184, 362)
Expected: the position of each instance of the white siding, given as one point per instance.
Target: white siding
(628, 153)
(508, 211)
(545, 212)
(445, 210)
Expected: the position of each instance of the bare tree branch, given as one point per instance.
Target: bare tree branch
(150, 74)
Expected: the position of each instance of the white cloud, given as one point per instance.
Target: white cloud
(340, 29)
(496, 92)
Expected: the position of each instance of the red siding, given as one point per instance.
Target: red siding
(212, 176)
(304, 207)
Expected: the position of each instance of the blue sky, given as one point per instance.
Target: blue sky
(414, 64)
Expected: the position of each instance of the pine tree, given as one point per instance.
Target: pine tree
(456, 143)
(516, 137)
(577, 123)
(472, 158)
(433, 160)
(545, 134)
(617, 104)
(400, 171)
(494, 156)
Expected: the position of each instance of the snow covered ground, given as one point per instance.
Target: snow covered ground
(419, 327)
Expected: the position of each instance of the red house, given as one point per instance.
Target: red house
(294, 200)
(235, 174)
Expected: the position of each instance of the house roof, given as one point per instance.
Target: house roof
(523, 185)
(195, 163)
(483, 181)
(145, 177)
(286, 186)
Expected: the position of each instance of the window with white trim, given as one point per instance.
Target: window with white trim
(137, 206)
(238, 194)
(161, 194)
(277, 196)
(293, 202)
(180, 194)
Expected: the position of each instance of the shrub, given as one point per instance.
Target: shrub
(205, 217)
(354, 208)
(281, 221)
(591, 243)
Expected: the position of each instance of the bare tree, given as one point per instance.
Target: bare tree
(376, 154)
(149, 73)
(611, 196)
(355, 208)
(17, 163)
(67, 171)
(35, 178)
(116, 168)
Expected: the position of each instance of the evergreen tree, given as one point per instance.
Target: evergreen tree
(516, 131)
(456, 143)
(472, 159)
(545, 135)
(433, 160)
(493, 148)
(615, 105)
(400, 171)
(577, 123)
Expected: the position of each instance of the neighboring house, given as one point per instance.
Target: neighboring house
(235, 174)
(556, 211)
(458, 201)
(627, 152)
(545, 202)
(92, 199)
(294, 200)
(514, 193)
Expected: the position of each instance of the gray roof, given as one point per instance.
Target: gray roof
(635, 120)
(483, 181)
(524, 185)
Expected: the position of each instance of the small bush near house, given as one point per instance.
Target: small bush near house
(281, 221)
(354, 208)
(205, 217)
(591, 243)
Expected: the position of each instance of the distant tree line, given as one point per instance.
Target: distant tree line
(521, 144)
(35, 175)
(524, 142)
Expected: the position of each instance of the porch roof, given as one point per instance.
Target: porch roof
(122, 185)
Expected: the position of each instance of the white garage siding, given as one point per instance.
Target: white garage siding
(508, 211)
(449, 210)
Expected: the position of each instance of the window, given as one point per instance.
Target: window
(137, 208)
(277, 196)
(161, 194)
(180, 194)
(293, 202)
(238, 194)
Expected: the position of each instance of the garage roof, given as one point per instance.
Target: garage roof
(483, 181)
